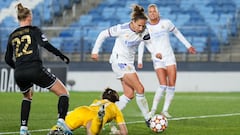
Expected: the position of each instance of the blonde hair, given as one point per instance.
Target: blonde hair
(22, 12)
(154, 6)
(138, 13)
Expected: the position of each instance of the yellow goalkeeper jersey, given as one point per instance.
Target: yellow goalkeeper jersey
(80, 116)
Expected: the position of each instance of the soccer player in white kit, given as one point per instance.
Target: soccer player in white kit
(128, 37)
(163, 57)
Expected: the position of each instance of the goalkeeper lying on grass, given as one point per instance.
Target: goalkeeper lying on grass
(94, 117)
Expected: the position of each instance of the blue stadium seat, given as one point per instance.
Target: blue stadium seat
(78, 33)
(103, 25)
(108, 12)
(233, 27)
(108, 45)
(36, 22)
(229, 8)
(5, 3)
(194, 18)
(214, 45)
(164, 11)
(122, 14)
(77, 1)
(200, 43)
(223, 35)
(187, 31)
(85, 20)
(66, 4)
(93, 33)
(10, 22)
(57, 8)
(56, 42)
(3, 46)
(116, 3)
(174, 43)
(88, 44)
(70, 46)
(66, 33)
(47, 17)
(176, 9)
(181, 22)
(237, 2)
(181, 48)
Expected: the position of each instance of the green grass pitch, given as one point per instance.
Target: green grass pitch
(194, 113)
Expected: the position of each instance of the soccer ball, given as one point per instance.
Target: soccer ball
(158, 123)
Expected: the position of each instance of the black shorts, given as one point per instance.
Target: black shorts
(31, 74)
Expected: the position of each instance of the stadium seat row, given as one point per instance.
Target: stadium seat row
(205, 23)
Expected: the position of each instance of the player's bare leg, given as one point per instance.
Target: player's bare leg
(133, 82)
(161, 75)
(128, 95)
(172, 75)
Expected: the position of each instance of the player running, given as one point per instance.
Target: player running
(95, 116)
(24, 43)
(128, 37)
(163, 58)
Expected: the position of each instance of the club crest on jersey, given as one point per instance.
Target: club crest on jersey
(44, 38)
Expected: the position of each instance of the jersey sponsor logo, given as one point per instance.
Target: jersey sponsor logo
(132, 43)
(159, 34)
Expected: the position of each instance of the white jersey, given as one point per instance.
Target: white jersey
(126, 43)
(160, 42)
(159, 34)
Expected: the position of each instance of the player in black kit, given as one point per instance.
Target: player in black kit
(24, 45)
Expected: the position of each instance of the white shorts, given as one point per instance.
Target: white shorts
(164, 62)
(122, 68)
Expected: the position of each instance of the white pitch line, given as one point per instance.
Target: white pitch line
(206, 116)
(31, 131)
(134, 122)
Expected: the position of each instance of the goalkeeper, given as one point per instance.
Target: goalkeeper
(94, 117)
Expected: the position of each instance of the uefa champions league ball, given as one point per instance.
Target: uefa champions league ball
(158, 123)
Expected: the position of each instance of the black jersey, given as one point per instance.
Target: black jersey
(24, 43)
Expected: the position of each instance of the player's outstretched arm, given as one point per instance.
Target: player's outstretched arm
(100, 39)
(55, 51)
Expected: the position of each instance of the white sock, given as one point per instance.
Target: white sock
(168, 98)
(143, 105)
(61, 120)
(23, 128)
(158, 95)
(122, 103)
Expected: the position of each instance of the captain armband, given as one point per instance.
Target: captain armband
(146, 37)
